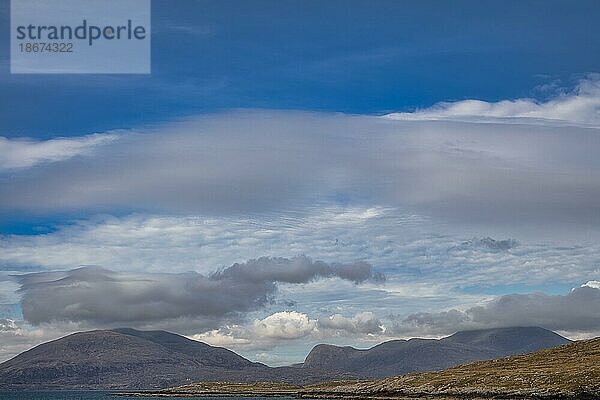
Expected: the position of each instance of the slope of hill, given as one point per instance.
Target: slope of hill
(569, 371)
(107, 358)
(127, 358)
(399, 357)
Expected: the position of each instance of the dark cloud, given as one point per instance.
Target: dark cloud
(577, 311)
(299, 269)
(98, 295)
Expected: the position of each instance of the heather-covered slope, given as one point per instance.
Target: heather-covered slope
(569, 371)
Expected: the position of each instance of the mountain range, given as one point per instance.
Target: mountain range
(131, 359)
(397, 357)
(570, 371)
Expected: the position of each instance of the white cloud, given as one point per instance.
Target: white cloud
(284, 325)
(364, 322)
(408, 248)
(261, 333)
(223, 337)
(581, 107)
(592, 284)
(26, 153)
(157, 243)
(281, 331)
(271, 161)
(9, 325)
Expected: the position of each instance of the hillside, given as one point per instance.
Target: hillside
(567, 371)
(399, 357)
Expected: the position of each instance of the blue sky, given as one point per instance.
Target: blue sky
(343, 56)
(307, 150)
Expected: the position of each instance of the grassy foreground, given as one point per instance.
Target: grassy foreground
(569, 371)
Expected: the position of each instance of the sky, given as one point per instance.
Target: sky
(303, 172)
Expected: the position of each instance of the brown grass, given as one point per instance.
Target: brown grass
(569, 370)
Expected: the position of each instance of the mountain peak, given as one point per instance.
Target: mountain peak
(513, 340)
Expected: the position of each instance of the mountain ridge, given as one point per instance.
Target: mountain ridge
(570, 371)
(397, 357)
(126, 358)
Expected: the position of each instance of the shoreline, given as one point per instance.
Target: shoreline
(272, 390)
